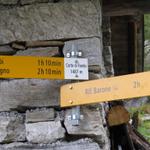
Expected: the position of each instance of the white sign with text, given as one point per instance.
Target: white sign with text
(76, 68)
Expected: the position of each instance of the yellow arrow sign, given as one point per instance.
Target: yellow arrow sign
(109, 89)
(43, 67)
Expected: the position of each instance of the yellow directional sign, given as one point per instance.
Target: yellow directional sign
(43, 67)
(31, 67)
(109, 89)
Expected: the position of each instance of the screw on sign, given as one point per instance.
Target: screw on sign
(74, 71)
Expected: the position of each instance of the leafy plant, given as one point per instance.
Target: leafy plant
(144, 126)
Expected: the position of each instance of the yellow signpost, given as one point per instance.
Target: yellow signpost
(102, 90)
(109, 89)
(31, 67)
(43, 67)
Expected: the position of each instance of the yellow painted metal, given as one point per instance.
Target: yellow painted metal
(109, 89)
(31, 67)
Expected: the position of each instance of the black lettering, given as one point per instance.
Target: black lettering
(52, 63)
(40, 71)
(56, 72)
(4, 71)
(48, 71)
(101, 90)
(88, 91)
(136, 84)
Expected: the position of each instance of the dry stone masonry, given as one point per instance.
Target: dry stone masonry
(44, 132)
(49, 21)
(8, 2)
(84, 144)
(30, 113)
(12, 127)
(107, 52)
(40, 115)
(91, 49)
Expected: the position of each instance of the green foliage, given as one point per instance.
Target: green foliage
(144, 109)
(144, 126)
(144, 129)
(147, 26)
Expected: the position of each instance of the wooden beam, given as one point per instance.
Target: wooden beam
(121, 12)
(132, 47)
(139, 141)
(120, 8)
(30, 44)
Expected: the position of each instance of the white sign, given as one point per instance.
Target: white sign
(76, 68)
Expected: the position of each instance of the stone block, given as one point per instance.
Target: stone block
(95, 69)
(108, 60)
(12, 127)
(18, 46)
(94, 76)
(107, 38)
(8, 2)
(6, 50)
(29, 93)
(25, 2)
(83, 144)
(90, 47)
(91, 125)
(96, 3)
(46, 51)
(40, 115)
(110, 71)
(106, 23)
(44, 132)
(48, 21)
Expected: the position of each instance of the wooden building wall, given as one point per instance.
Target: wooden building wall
(127, 33)
(119, 30)
(127, 44)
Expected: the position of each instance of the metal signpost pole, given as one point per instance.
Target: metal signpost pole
(75, 113)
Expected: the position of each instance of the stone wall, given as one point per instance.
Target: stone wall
(107, 51)
(31, 117)
(47, 21)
